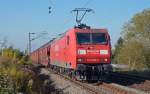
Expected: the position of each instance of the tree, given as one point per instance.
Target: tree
(135, 48)
(15, 54)
(8, 52)
(18, 54)
(131, 53)
(117, 48)
(3, 44)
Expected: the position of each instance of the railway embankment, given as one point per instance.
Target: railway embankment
(24, 79)
(29, 79)
(64, 85)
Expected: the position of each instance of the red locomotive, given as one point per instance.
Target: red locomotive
(81, 52)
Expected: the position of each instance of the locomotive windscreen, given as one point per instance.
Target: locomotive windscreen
(91, 38)
(83, 38)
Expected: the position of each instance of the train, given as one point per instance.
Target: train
(82, 52)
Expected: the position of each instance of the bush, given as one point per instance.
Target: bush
(18, 78)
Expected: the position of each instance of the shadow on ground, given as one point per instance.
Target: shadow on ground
(43, 84)
(127, 81)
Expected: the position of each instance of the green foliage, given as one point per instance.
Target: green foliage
(117, 48)
(11, 63)
(135, 47)
(131, 53)
(18, 54)
(12, 53)
(15, 54)
(17, 79)
(5, 86)
(8, 52)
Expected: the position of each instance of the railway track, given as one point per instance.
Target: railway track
(102, 88)
(130, 76)
(82, 85)
(133, 81)
(111, 87)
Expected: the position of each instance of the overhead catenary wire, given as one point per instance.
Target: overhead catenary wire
(51, 2)
(69, 20)
(87, 3)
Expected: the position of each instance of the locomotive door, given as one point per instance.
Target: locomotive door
(48, 56)
(65, 51)
(65, 48)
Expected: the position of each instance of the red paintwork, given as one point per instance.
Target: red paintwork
(64, 55)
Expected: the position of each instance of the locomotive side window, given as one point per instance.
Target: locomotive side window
(68, 40)
(83, 38)
(98, 38)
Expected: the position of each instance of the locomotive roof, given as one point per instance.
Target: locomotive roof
(92, 30)
(72, 29)
(45, 45)
(49, 42)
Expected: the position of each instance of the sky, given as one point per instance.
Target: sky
(19, 17)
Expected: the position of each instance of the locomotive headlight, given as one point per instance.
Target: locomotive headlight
(105, 59)
(80, 60)
(103, 52)
(82, 52)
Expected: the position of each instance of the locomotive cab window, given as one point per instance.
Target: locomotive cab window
(89, 38)
(83, 38)
(98, 38)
